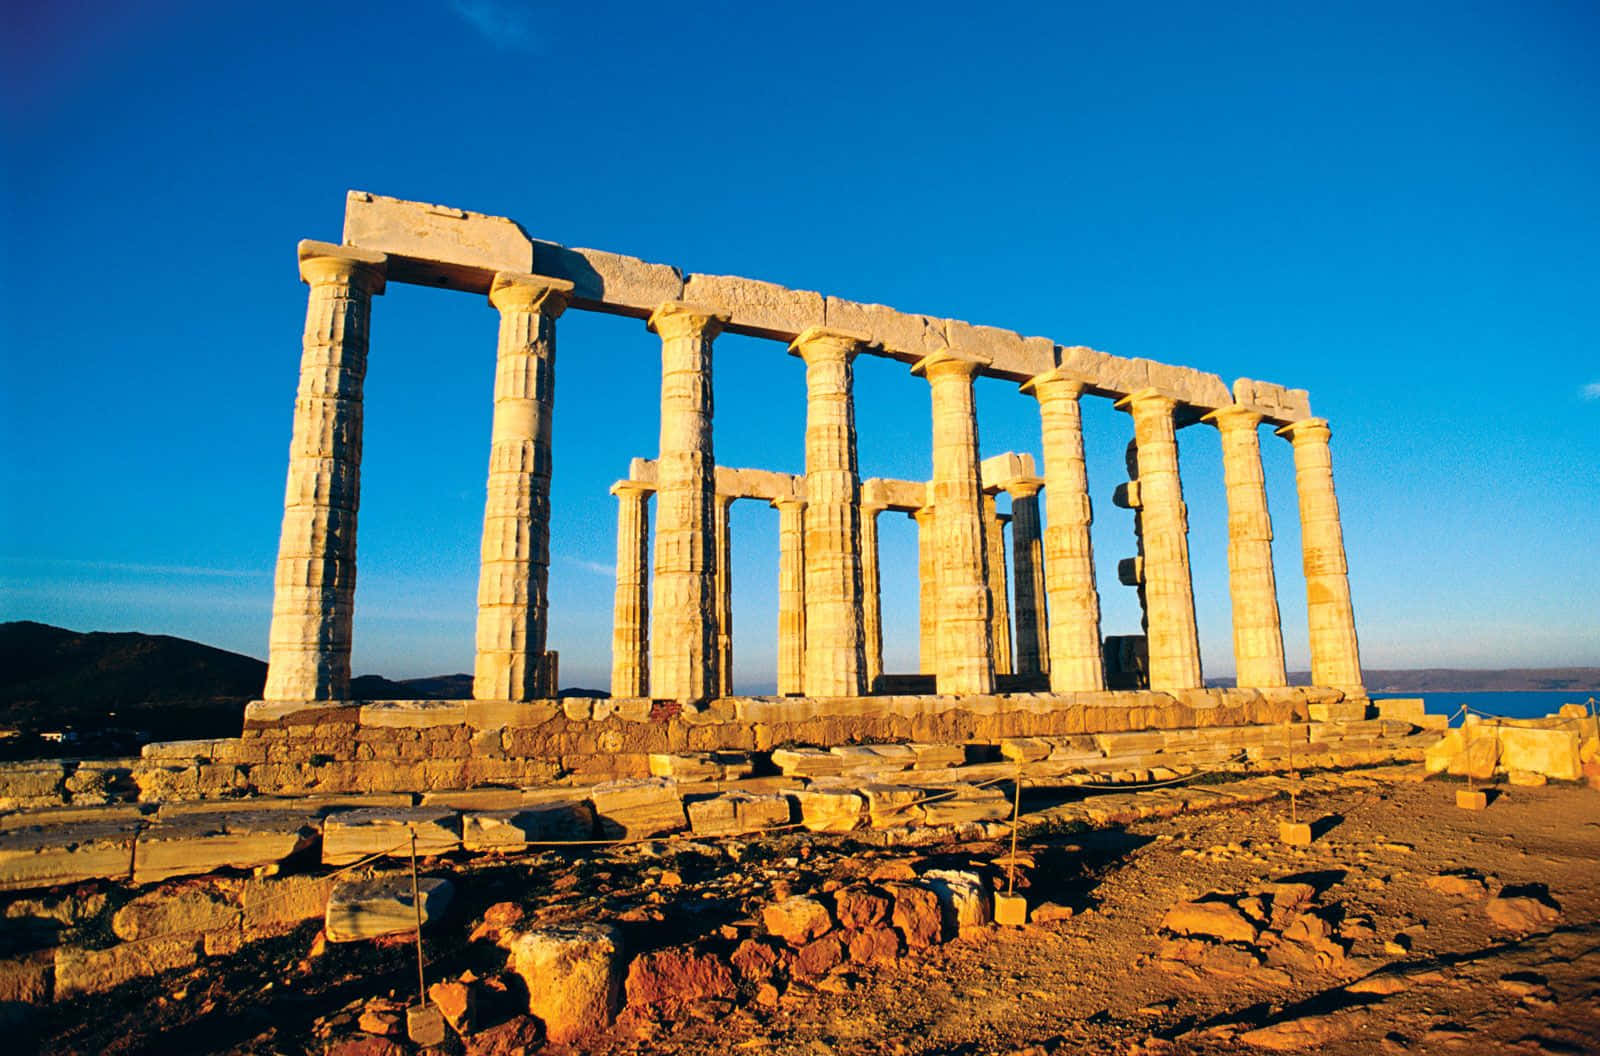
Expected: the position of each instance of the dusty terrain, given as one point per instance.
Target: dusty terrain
(1408, 926)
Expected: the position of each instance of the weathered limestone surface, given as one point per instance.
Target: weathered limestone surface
(573, 975)
(185, 845)
(994, 542)
(513, 580)
(1257, 630)
(369, 909)
(1168, 588)
(683, 611)
(835, 660)
(871, 586)
(630, 660)
(927, 590)
(514, 829)
(965, 648)
(351, 835)
(635, 809)
(791, 596)
(1335, 657)
(1073, 635)
(314, 586)
(38, 857)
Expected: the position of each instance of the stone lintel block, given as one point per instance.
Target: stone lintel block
(39, 856)
(970, 804)
(71, 815)
(701, 766)
(610, 282)
(893, 805)
(762, 309)
(903, 336)
(369, 909)
(413, 714)
(351, 835)
(196, 844)
(1275, 403)
(997, 471)
(1007, 353)
(437, 245)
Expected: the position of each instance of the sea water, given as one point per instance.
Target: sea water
(1517, 704)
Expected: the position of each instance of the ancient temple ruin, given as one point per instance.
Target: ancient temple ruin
(672, 628)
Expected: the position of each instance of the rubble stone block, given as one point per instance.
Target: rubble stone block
(916, 913)
(80, 971)
(797, 920)
(964, 899)
(368, 909)
(351, 835)
(162, 913)
(573, 975)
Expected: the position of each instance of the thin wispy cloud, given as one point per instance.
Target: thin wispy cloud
(599, 568)
(507, 24)
(142, 570)
(1590, 391)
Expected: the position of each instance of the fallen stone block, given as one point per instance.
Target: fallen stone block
(968, 805)
(635, 809)
(828, 809)
(191, 845)
(964, 899)
(186, 911)
(1026, 749)
(807, 762)
(736, 813)
(701, 766)
(865, 759)
(351, 835)
(79, 971)
(916, 913)
(937, 756)
(1551, 752)
(1217, 920)
(797, 920)
(368, 909)
(573, 975)
(891, 806)
(68, 854)
(513, 830)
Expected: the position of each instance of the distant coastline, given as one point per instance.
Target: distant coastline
(1466, 680)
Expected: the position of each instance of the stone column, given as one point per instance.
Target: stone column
(1335, 657)
(1257, 631)
(871, 586)
(835, 660)
(515, 570)
(966, 650)
(1073, 633)
(927, 592)
(1169, 592)
(724, 546)
(1027, 562)
(630, 645)
(791, 596)
(683, 632)
(315, 582)
(994, 542)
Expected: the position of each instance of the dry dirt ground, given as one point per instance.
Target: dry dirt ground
(1419, 927)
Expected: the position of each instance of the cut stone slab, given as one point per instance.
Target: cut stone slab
(368, 909)
(891, 806)
(807, 762)
(46, 856)
(351, 835)
(514, 829)
(969, 804)
(1551, 752)
(702, 766)
(1010, 911)
(865, 759)
(937, 756)
(638, 809)
(736, 813)
(195, 844)
(1025, 749)
(828, 809)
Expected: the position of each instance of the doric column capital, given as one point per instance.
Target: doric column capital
(1055, 384)
(632, 487)
(1022, 487)
(788, 504)
(947, 364)
(1147, 402)
(322, 263)
(826, 344)
(1306, 431)
(682, 319)
(922, 514)
(1233, 417)
(514, 291)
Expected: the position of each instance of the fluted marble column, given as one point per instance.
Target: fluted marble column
(791, 596)
(994, 541)
(966, 650)
(871, 585)
(927, 591)
(1169, 592)
(835, 657)
(1027, 562)
(514, 574)
(314, 585)
(724, 545)
(1335, 655)
(683, 632)
(1073, 632)
(630, 645)
(1257, 630)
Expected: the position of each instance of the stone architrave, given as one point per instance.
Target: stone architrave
(314, 585)
(1027, 562)
(835, 663)
(1169, 591)
(965, 645)
(927, 591)
(630, 644)
(1257, 630)
(871, 586)
(791, 596)
(724, 548)
(513, 601)
(1074, 658)
(1335, 656)
(683, 610)
(994, 541)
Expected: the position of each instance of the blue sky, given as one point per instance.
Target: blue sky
(1391, 204)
